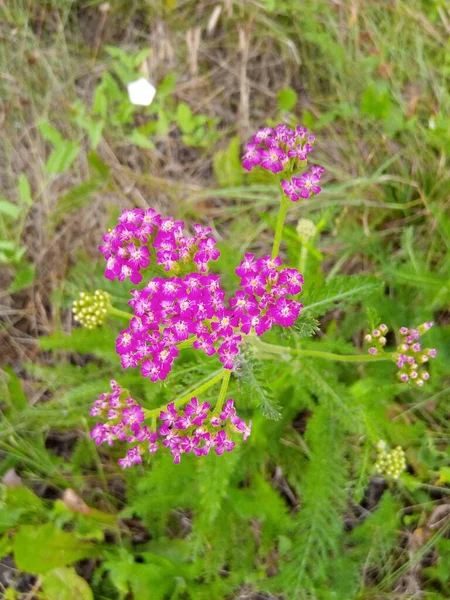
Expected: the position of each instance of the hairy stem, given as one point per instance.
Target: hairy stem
(303, 257)
(284, 203)
(119, 313)
(273, 349)
(194, 391)
(223, 392)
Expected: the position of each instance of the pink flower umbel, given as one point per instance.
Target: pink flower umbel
(124, 422)
(195, 430)
(144, 236)
(285, 150)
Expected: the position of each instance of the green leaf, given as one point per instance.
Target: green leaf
(76, 198)
(305, 326)
(185, 118)
(167, 85)
(287, 99)
(16, 395)
(250, 377)
(43, 548)
(375, 102)
(227, 165)
(51, 134)
(9, 209)
(65, 584)
(5, 546)
(141, 140)
(343, 290)
(25, 190)
(23, 279)
(95, 130)
(62, 157)
(98, 165)
(319, 523)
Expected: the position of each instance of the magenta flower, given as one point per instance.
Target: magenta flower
(251, 157)
(306, 185)
(285, 312)
(272, 159)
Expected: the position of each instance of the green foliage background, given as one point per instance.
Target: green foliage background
(297, 512)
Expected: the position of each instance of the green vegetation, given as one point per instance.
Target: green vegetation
(298, 511)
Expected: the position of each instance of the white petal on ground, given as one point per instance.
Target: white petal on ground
(141, 92)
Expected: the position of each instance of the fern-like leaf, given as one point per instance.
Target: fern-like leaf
(344, 290)
(250, 379)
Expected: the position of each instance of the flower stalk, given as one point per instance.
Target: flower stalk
(284, 203)
(286, 350)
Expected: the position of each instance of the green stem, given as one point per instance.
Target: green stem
(284, 203)
(119, 313)
(273, 349)
(223, 392)
(303, 257)
(195, 391)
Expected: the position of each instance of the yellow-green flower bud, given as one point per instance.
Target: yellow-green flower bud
(306, 230)
(91, 311)
(391, 463)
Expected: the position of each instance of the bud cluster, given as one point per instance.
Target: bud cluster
(377, 339)
(306, 230)
(91, 311)
(390, 462)
(195, 429)
(411, 358)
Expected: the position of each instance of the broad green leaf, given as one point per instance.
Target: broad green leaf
(95, 130)
(185, 118)
(62, 157)
(375, 102)
(51, 134)
(9, 209)
(287, 99)
(25, 190)
(100, 102)
(16, 395)
(65, 584)
(98, 165)
(23, 279)
(167, 85)
(50, 548)
(139, 58)
(22, 497)
(141, 140)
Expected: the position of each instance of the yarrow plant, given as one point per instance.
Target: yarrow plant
(181, 304)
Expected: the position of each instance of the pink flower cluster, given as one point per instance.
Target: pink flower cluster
(123, 423)
(198, 430)
(282, 149)
(169, 311)
(195, 429)
(140, 234)
(411, 357)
